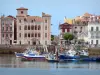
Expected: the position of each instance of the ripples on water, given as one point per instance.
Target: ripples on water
(10, 61)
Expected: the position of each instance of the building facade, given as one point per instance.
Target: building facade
(25, 29)
(94, 30)
(64, 28)
(7, 30)
(33, 30)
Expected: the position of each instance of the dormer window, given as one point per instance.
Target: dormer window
(21, 12)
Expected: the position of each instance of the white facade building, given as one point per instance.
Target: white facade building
(94, 30)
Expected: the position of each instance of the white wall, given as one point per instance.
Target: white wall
(94, 32)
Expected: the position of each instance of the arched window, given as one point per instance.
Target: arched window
(25, 28)
(35, 27)
(32, 27)
(28, 27)
(39, 27)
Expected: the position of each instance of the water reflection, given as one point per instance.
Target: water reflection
(10, 61)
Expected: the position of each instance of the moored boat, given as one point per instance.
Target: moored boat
(33, 56)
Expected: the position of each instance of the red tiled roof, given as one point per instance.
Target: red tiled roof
(21, 8)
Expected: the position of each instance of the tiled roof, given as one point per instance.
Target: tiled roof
(21, 8)
(36, 18)
(77, 18)
(87, 15)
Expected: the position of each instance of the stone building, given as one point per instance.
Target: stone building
(7, 30)
(25, 29)
(33, 30)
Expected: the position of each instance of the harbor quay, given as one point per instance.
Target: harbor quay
(11, 49)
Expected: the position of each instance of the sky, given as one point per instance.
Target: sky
(58, 9)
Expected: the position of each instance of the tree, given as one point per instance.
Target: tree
(52, 37)
(68, 36)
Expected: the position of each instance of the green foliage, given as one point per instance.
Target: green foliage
(68, 36)
(52, 37)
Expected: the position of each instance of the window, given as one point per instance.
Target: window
(45, 42)
(29, 42)
(19, 34)
(45, 21)
(28, 27)
(63, 30)
(6, 35)
(91, 28)
(19, 21)
(19, 27)
(75, 27)
(35, 27)
(32, 27)
(45, 34)
(39, 35)
(25, 35)
(45, 27)
(10, 28)
(2, 35)
(39, 27)
(20, 42)
(32, 21)
(25, 19)
(21, 12)
(97, 28)
(2, 28)
(6, 28)
(25, 28)
(35, 35)
(91, 41)
(80, 27)
(96, 41)
(32, 35)
(10, 35)
(2, 23)
(28, 34)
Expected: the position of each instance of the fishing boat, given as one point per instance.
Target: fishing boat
(68, 55)
(27, 51)
(18, 54)
(33, 56)
(72, 54)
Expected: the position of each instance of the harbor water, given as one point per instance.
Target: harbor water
(10, 65)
